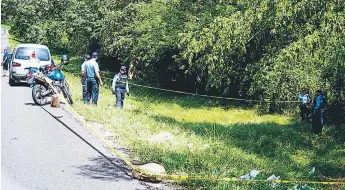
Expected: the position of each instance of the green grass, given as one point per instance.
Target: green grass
(214, 140)
(8, 27)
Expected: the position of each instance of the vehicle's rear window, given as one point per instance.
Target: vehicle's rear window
(25, 52)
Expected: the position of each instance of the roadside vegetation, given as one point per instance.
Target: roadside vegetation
(199, 136)
(248, 49)
(243, 49)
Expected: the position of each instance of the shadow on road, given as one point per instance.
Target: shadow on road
(104, 169)
(114, 165)
(30, 104)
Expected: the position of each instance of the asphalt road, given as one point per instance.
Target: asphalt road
(46, 148)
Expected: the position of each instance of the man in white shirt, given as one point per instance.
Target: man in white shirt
(33, 60)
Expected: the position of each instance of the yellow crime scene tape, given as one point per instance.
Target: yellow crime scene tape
(184, 177)
(206, 96)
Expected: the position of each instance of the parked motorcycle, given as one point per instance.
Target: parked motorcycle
(49, 81)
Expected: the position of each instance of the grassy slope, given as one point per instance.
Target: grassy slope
(209, 140)
(212, 141)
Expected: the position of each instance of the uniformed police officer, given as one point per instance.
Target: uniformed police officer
(83, 78)
(93, 78)
(318, 110)
(119, 86)
(305, 99)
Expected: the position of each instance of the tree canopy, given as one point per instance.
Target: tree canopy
(266, 49)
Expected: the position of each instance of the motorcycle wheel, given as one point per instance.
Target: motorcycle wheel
(67, 95)
(37, 90)
(67, 87)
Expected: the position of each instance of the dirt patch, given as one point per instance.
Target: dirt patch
(162, 137)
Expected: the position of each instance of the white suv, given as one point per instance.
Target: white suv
(20, 60)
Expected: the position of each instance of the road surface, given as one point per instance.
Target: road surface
(46, 148)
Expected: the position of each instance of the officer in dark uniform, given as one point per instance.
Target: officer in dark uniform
(120, 85)
(318, 111)
(83, 78)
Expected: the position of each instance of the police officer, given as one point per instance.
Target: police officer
(305, 99)
(93, 78)
(319, 106)
(119, 86)
(83, 78)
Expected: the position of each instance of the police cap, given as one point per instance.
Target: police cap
(123, 68)
(94, 54)
(64, 58)
(87, 57)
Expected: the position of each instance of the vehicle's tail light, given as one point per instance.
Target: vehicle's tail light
(14, 64)
(30, 72)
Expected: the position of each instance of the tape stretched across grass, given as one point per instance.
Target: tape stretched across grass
(206, 96)
(184, 177)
